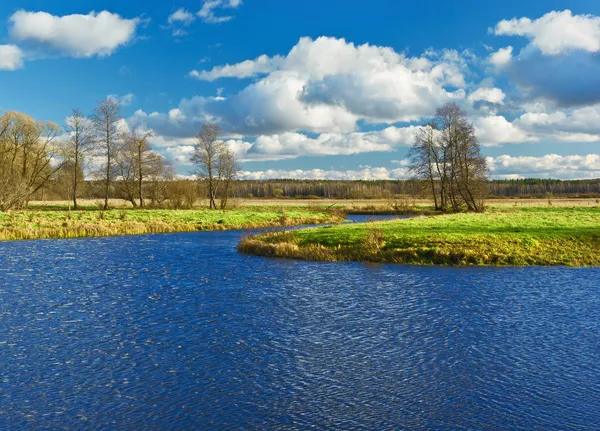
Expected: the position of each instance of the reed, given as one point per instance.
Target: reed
(25, 225)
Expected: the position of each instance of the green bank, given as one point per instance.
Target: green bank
(20, 225)
(501, 236)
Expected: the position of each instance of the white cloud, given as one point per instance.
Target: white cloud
(325, 85)
(365, 173)
(181, 16)
(496, 130)
(125, 100)
(249, 68)
(501, 57)
(292, 145)
(76, 35)
(207, 13)
(11, 57)
(556, 32)
(581, 124)
(491, 95)
(548, 166)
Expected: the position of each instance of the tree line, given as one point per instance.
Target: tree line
(41, 158)
(98, 157)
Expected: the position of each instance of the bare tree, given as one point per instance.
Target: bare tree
(106, 118)
(446, 154)
(78, 145)
(136, 163)
(215, 163)
(27, 157)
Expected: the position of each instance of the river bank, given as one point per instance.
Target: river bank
(27, 225)
(545, 236)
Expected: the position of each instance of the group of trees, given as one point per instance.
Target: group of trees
(446, 156)
(35, 155)
(26, 155)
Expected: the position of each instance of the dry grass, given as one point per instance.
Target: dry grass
(345, 204)
(20, 225)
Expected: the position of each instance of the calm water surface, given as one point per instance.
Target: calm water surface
(181, 332)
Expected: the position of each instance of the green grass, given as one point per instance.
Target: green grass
(501, 236)
(62, 224)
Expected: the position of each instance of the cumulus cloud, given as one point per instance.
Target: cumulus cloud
(501, 57)
(505, 166)
(209, 8)
(364, 173)
(11, 57)
(249, 68)
(548, 166)
(95, 34)
(556, 32)
(490, 95)
(496, 130)
(582, 124)
(292, 145)
(561, 61)
(325, 85)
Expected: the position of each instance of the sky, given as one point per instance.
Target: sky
(319, 88)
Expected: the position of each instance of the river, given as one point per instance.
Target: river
(181, 332)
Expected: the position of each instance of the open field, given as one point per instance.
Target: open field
(74, 224)
(345, 204)
(502, 236)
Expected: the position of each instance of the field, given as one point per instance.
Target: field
(40, 224)
(523, 235)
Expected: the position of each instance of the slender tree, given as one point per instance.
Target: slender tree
(136, 164)
(79, 143)
(215, 163)
(105, 119)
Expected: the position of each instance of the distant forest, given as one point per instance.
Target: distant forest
(183, 191)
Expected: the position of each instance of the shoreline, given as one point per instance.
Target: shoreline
(507, 237)
(28, 225)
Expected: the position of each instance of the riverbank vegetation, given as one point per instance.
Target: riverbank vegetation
(18, 225)
(502, 236)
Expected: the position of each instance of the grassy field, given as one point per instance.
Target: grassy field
(550, 235)
(40, 224)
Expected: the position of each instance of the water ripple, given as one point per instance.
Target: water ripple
(181, 332)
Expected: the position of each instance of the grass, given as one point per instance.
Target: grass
(518, 236)
(29, 224)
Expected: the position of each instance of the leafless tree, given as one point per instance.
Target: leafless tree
(27, 157)
(215, 163)
(135, 164)
(79, 143)
(447, 155)
(106, 127)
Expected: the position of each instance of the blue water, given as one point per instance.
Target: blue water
(181, 332)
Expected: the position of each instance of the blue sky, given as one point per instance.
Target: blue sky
(325, 88)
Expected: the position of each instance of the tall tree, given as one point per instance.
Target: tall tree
(106, 126)
(215, 163)
(80, 141)
(136, 164)
(447, 155)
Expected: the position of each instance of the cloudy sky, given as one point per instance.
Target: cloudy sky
(319, 88)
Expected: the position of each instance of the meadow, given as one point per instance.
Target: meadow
(503, 235)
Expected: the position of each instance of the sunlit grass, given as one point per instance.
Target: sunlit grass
(62, 224)
(502, 236)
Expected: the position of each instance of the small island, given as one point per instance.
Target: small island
(517, 236)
